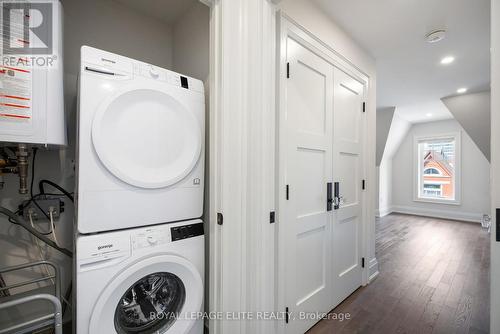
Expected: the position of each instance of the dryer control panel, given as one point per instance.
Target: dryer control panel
(157, 73)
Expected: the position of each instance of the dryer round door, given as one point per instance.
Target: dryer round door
(146, 137)
(158, 294)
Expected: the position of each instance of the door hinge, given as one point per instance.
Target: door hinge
(364, 106)
(287, 70)
(287, 192)
(362, 262)
(220, 218)
(286, 315)
(363, 184)
(498, 225)
(272, 217)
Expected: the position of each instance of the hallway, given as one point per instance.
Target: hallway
(434, 278)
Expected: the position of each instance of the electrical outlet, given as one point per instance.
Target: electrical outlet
(45, 204)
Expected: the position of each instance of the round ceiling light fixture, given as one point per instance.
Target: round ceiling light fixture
(435, 36)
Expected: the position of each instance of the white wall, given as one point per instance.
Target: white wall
(384, 188)
(475, 176)
(111, 26)
(191, 40)
(398, 130)
(495, 162)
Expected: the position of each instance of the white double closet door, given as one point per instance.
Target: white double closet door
(324, 146)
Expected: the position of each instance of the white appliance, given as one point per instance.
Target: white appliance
(140, 144)
(145, 280)
(31, 85)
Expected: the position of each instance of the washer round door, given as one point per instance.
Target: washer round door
(146, 137)
(159, 294)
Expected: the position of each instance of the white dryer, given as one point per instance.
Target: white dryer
(147, 280)
(140, 144)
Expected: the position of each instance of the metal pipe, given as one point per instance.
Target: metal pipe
(57, 272)
(57, 315)
(33, 281)
(22, 167)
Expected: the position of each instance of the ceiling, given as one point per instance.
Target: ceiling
(409, 73)
(164, 10)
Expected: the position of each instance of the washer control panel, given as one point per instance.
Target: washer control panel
(150, 237)
(186, 231)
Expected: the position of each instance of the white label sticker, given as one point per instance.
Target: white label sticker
(15, 93)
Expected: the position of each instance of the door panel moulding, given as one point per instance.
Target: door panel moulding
(289, 28)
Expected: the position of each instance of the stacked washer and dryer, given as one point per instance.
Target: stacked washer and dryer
(139, 264)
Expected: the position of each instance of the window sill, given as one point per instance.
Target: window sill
(437, 201)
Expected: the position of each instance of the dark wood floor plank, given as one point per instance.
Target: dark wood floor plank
(434, 278)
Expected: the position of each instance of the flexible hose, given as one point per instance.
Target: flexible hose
(58, 187)
(37, 234)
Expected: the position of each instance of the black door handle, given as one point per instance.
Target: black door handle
(497, 218)
(329, 198)
(336, 195)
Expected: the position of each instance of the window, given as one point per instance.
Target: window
(438, 169)
(431, 171)
(432, 190)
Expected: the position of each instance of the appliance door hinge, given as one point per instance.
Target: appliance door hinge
(363, 184)
(220, 218)
(362, 262)
(287, 70)
(364, 106)
(287, 316)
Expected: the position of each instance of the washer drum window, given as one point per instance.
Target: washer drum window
(150, 305)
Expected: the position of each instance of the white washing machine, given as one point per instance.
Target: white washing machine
(140, 144)
(145, 280)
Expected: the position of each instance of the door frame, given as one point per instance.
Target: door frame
(287, 27)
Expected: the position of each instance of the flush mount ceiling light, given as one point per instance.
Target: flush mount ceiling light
(435, 36)
(461, 90)
(447, 60)
(428, 114)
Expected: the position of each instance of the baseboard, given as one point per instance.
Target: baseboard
(372, 270)
(383, 212)
(445, 214)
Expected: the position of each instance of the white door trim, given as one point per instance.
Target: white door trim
(242, 118)
(289, 28)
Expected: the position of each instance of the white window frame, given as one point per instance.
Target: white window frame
(417, 169)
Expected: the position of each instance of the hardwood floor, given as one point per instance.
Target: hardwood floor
(434, 278)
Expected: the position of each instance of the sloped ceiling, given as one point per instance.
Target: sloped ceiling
(399, 129)
(473, 112)
(384, 121)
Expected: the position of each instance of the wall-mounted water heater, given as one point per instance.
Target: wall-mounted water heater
(31, 73)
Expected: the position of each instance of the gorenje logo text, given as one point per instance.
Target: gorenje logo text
(104, 246)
